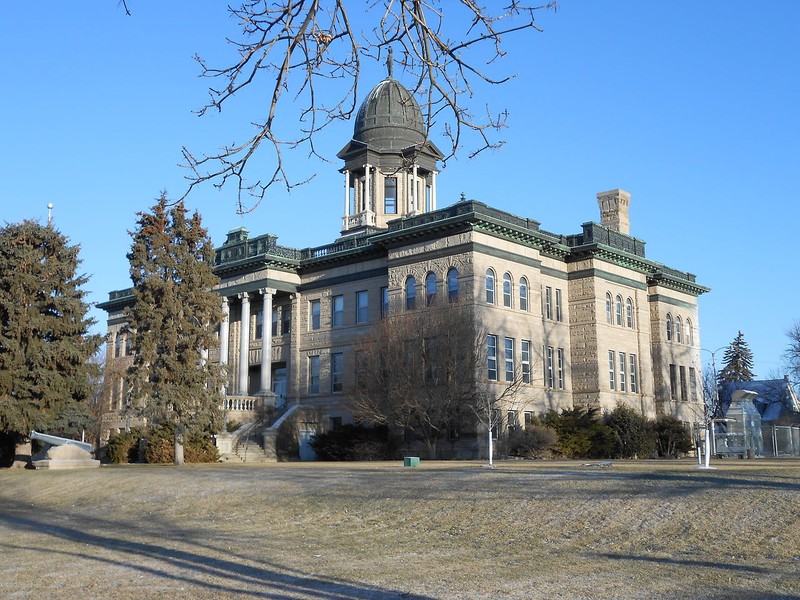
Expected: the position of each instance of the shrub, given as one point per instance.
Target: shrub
(232, 426)
(581, 433)
(634, 434)
(672, 439)
(124, 447)
(353, 442)
(160, 446)
(200, 448)
(536, 441)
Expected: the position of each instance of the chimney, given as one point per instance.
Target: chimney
(614, 210)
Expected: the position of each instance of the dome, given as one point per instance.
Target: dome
(389, 118)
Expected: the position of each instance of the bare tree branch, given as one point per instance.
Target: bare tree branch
(299, 45)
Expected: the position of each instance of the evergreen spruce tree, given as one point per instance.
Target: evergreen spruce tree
(173, 319)
(45, 345)
(737, 362)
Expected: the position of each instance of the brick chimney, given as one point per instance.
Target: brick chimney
(614, 210)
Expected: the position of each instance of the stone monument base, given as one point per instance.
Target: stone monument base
(67, 456)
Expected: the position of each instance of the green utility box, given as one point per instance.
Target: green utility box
(411, 461)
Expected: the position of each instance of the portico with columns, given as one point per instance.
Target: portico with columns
(251, 334)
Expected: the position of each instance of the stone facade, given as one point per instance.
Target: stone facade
(588, 316)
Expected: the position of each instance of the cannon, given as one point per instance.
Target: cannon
(62, 453)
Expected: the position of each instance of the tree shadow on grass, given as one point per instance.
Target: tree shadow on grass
(733, 568)
(211, 574)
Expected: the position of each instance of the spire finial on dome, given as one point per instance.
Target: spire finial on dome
(390, 62)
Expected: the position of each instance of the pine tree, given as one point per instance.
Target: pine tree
(173, 319)
(737, 362)
(45, 344)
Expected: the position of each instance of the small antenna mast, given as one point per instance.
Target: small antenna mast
(49, 214)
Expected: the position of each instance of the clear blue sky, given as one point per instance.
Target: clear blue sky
(690, 106)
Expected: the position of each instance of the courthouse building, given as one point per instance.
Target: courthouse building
(586, 318)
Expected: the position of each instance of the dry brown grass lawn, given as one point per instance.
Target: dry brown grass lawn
(379, 530)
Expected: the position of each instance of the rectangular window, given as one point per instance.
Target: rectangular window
(491, 357)
(337, 311)
(692, 384)
(559, 314)
(684, 389)
(526, 361)
(259, 324)
(528, 415)
(390, 195)
(275, 321)
(509, 353)
(548, 302)
(314, 309)
(384, 302)
(286, 313)
(550, 371)
(623, 379)
(561, 368)
(313, 374)
(337, 370)
(336, 423)
(634, 384)
(612, 371)
(512, 421)
(362, 304)
(673, 381)
(118, 346)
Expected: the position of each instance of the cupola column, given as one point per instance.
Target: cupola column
(244, 344)
(433, 190)
(415, 206)
(368, 188)
(346, 194)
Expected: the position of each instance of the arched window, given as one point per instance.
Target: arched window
(452, 285)
(678, 330)
(411, 293)
(689, 332)
(490, 278)
(669, 327)
(609, 308)
(619, 310)
(629, 312)
(507, 290)
(523, 294)
(430, 289)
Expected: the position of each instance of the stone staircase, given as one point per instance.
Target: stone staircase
(256, 442)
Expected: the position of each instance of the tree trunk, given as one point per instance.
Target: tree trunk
(178, 448)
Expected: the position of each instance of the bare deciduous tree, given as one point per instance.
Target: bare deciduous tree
(309, 53)
(423, 371)
(793, 352)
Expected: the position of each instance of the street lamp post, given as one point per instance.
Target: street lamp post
(709, 418)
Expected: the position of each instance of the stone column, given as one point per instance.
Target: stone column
(244, 344)
(266, 342)
(224, 333)
(368, 189)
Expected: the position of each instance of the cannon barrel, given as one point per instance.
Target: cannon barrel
(54, 440)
